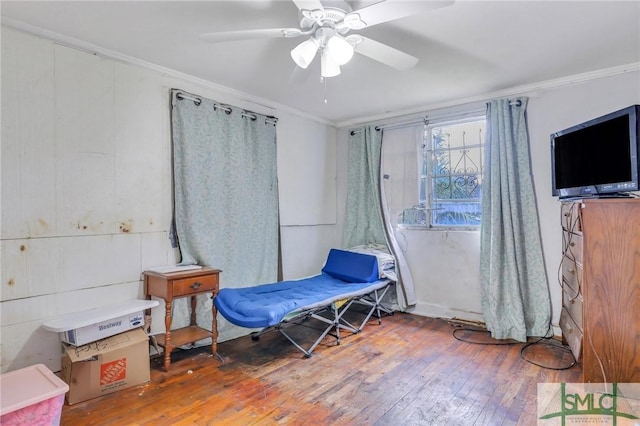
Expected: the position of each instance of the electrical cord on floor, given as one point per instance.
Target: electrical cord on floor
(545, 340)
(480, 330)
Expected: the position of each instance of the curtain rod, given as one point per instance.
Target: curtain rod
(425, 120)
(225, 108)
(393, 126)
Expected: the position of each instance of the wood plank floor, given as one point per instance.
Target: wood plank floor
(409, 370)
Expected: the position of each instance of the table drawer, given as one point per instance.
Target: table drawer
(572, 274)
(572, 245)
(571, 220)
(571, 334)
(204, 283)
(572, 302)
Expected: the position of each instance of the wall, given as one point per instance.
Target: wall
(86, 186)
(557, 109)
(308, 213)
(445, 264)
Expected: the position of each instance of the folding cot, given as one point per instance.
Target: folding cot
(347, 278)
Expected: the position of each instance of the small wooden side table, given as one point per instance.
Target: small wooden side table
(173, 285)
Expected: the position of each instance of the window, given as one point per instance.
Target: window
(450, 185)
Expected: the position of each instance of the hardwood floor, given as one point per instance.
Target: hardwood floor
(409, 370)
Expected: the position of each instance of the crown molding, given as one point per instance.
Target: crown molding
(525, 90)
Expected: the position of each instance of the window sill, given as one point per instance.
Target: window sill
(439, 228)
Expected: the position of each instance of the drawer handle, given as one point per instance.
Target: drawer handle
(196, 285)
(572, 244)
(572, 271)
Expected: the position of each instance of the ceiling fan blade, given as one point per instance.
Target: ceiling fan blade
(386, 54)
(309, 4)
(250, 34)
(389, 10)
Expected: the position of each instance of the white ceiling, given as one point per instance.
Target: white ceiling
(466, 50)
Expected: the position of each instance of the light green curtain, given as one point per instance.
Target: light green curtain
(514, 284)
(226, 194)
(363, 220)
(366, 219)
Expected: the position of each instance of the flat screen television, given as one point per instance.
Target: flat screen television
(598, 158)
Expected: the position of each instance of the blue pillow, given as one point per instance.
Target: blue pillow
(351, 267)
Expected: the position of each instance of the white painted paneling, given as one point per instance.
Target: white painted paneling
(306, 171)
(62, 303)
(34, 308)
(97, 297)
(31, 267)
(139, 152)
(305, 249)
(99, 260)
(36, 267)
(155, 250)
(28, 144)
(85, 131)
(26, 344)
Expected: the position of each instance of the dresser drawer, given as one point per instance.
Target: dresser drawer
(572, 274)
(572, 245)
(570, 217)
(572, 302)
(571, 334)
(193, 285)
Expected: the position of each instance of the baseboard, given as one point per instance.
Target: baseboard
(437, 311)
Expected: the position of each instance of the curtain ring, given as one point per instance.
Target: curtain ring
(249, 115)
(180, 96)
(227, 110)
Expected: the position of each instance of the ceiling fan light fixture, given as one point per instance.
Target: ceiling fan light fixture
(341, 50)
(304, 53)
(328, 67)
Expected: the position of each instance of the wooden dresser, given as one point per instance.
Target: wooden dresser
(169, 286)
(600, 318)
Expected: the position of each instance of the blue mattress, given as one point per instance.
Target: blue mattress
(268, 304)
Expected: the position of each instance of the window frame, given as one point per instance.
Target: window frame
(426, 177)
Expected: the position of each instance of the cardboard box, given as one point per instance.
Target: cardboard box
(106, 366)
(31, 395)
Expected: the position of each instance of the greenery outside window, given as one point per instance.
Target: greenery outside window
(450, 185)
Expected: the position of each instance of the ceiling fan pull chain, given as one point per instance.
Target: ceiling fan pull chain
(325, 89)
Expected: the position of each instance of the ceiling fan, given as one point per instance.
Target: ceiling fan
(328, 28)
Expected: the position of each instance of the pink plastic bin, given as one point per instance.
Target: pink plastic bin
(31, 396)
